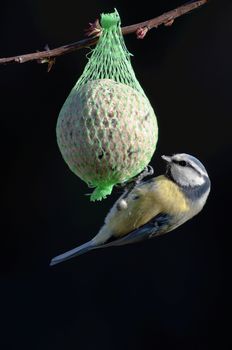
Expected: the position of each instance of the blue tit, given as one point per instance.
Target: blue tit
(153, 207)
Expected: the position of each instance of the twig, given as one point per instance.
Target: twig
(140, 29)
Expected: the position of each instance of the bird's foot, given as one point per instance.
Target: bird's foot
(148, 171)
(136, 180)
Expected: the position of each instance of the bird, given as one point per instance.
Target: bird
(153, 207)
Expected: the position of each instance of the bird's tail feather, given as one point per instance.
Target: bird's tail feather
(84, 248)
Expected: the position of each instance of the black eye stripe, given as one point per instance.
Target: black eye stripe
(186, 164)
(181, 162)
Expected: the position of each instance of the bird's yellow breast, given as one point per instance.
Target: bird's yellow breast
(143, 203)
(169, 196)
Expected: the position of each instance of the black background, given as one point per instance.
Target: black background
(168, 293)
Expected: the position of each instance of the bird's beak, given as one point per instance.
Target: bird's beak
(167, 159)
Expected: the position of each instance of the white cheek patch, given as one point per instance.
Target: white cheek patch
(186, 176)
(198, 169)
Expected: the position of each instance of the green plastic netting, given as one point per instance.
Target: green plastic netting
(107, 130)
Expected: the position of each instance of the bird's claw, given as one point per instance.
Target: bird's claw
(130, 184)
(148, 171)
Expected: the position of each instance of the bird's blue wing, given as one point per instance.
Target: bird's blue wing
(150, 229)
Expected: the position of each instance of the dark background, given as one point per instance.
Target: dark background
(168, 293)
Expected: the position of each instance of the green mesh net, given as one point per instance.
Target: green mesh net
(110, 59)
(107, 130)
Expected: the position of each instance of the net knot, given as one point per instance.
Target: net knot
(110, 20)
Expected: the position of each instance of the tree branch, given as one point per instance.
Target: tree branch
(48, 56)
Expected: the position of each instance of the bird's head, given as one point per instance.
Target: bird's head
(186, 170)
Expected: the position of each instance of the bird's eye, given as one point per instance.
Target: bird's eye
(182, 163)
